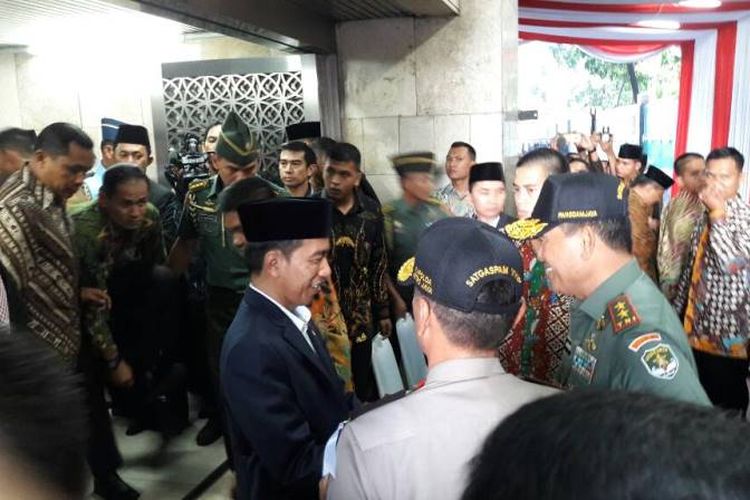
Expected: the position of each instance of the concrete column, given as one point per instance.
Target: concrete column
(421, 83)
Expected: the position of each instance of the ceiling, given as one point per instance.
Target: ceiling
(23, 21)
(350, 10)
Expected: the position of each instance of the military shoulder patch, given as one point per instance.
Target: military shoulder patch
(642, 340)
(661, 362)
(623, 314)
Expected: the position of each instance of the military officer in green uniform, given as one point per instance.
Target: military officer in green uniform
(623, 332)
(201, 226)
(406, 218)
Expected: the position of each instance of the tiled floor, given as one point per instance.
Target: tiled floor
(176, 471)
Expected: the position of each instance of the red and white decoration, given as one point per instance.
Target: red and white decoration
(714, 103)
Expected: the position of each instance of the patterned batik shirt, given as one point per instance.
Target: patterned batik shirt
(359, 266)
(677, 225)
(536, 346)
(459, 206)
(37, 256)
(101, 247)
(722, 285)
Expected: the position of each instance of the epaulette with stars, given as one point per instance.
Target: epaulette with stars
(623, 314)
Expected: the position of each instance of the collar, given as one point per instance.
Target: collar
(596, 303)
(216, 186)
(300, 317)
(494, 223)
(456, 370)
(42, 195)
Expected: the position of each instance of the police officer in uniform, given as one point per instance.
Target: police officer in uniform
(201, 224)
(406, 218)
(623, 332)
(418, 446)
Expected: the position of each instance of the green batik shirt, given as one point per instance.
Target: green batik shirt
(404, 225)
(626, 335)
(201, 220)
(101, 247)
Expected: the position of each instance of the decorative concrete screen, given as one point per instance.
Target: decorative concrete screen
(267, 101)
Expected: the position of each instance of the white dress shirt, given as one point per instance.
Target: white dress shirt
(300, 316)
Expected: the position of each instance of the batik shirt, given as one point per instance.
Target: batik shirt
(359, 266)
(536, 346)
(722, 302)
(677, 225)
(459, 205)
(4, 316)
(101, 247)
(37, 257)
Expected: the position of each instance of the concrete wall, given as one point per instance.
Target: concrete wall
(419, 84)
(36, 90)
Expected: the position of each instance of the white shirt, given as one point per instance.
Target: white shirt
(300, 316)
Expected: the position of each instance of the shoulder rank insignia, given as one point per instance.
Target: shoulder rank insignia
(623, 314)
(198, 184)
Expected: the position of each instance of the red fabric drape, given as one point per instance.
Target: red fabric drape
(725, 52)
(683, 105)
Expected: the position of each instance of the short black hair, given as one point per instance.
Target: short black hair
(615, 233)
(244, 191)
(43, 425)
(469, 148)
(120, 174)
(553, 161)
(255, 253)
(18, 139)
(590, 444)
(728, 152)
(683, 159)
(476, 330)
(322, 145)
(55, 139)
(344, 152)
(299, 146)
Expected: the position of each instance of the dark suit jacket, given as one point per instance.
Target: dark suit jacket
(165, 200)
(283, 402)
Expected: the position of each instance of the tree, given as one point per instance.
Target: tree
(609, 82)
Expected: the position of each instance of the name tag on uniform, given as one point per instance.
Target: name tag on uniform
(583, 364)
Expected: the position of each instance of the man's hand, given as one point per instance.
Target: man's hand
(97, 297)
(323, 487)
(586, 143)
(386, 327)
(399, 307)
(122, 376)
(714, 201)
(607, 145)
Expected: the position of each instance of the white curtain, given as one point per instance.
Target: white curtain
(700, 127)
(739, 122)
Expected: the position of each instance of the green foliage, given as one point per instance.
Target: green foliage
(609, 84)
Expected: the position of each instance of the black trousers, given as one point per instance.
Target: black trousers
(145, 324)
(363, 377)
(724, 379)
(102, 453)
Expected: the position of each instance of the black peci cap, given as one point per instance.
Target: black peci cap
(285, 219)
(659, 177)
(304, 130)
(455, 257)
(409, 163)
(132, 134)
(490, 171)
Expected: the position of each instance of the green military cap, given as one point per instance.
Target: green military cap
(572, 198)
(236, 143)
(409, 163)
